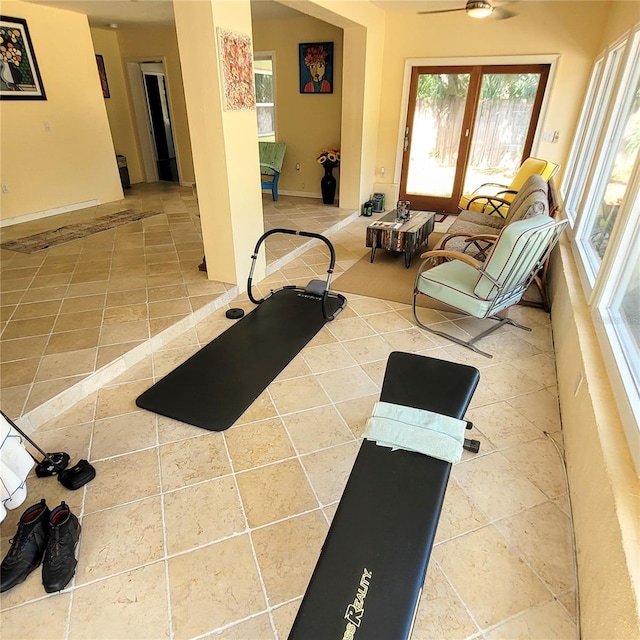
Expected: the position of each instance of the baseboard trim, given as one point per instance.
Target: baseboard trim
(300, 194)
(48, 212)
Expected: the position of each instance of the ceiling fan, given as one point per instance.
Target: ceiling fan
(477, 9)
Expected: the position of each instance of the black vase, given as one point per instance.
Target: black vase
(328, 186)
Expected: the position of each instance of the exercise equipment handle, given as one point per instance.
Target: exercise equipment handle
(293, 232)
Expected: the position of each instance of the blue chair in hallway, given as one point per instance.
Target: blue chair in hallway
(271, 159)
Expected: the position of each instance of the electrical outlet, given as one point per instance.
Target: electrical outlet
(302, 185)
(547, 136)
(298, 166)
(5, 188)
(382, 171)
(47, 126)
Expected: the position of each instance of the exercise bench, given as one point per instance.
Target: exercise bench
(368, 579)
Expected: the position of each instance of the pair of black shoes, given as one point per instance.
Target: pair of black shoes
(52, 535)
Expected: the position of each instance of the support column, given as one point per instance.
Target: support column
(224, 143)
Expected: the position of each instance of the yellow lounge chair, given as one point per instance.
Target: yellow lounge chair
(479, 199)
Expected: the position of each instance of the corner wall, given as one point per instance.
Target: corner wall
(73, 163)
(156, 43)
(307, 123)
(603, 485)
(121, 122)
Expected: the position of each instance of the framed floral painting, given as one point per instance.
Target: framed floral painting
(236, 59)
(316, 67)
(19, 73)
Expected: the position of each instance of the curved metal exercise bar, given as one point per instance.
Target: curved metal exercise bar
(332, 262)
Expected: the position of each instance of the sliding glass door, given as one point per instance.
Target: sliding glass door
(467, 126)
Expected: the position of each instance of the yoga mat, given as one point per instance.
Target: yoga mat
(214, 387)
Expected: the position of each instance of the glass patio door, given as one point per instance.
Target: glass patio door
(467, 126)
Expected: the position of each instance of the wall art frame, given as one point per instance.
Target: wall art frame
(102, 72)
(20, 77)
(236, 60)
(316, 67)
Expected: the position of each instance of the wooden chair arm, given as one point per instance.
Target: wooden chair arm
(462, 234)
(489, 199)
(556, 206)
(487, 237)
(452, 255)
(500, 194)
(489, 184)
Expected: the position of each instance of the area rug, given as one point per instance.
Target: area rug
(54, 237)
(386, 277)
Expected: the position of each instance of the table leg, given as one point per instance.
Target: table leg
(373, 249)
(407, 259)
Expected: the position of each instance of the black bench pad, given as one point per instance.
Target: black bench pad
(368, 579)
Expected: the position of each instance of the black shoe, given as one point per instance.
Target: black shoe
(59, 558)
(27, 546)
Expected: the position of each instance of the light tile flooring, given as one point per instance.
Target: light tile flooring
(193, 534)
(74, 309)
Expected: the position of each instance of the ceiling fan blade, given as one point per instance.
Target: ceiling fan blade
(500, 13)
(426, 13)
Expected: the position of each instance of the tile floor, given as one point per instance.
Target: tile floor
(193, 534)
(72, 310)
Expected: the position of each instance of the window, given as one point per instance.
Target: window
(613, 189)
(603, 204)
(265, 96)
(591, 123)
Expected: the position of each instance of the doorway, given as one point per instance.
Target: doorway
(151, 106)
(155, 87)
(466, 126)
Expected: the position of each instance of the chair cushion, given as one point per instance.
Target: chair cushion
(453, 283)
(481, 220)
(534, 185)
(507, 253)
(531, 166)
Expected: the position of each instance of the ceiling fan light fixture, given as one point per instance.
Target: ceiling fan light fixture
(478, 9)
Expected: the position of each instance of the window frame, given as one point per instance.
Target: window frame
(604, 117)
(619, 100)
(271, 56)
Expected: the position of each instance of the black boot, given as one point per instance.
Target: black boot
(59, 558)
(27, 546)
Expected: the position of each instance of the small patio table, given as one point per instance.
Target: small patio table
(396, 235)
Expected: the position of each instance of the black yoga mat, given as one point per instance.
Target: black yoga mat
(214, 387)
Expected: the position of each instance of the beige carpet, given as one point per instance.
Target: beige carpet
(387, 277)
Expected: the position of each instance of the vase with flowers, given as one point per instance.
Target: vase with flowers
(329, 159)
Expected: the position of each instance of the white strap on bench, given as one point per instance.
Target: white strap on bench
(419, 430)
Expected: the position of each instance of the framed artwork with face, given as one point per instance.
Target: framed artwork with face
(316, 67)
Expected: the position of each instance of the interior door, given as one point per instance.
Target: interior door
(160, 120)
(466, 126)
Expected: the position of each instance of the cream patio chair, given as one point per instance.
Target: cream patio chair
(484, 290)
